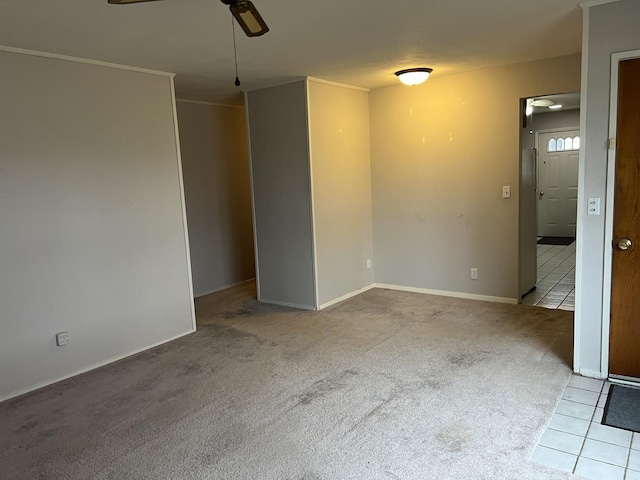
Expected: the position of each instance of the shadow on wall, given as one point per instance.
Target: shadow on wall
(213, 144)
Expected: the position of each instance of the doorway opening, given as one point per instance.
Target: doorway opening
(550, 144)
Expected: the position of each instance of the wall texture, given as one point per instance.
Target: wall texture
(215, 162)
(341, 173)
(93, 237)
(440, 154)
(282, 194)
(608, 28)
(560, 119)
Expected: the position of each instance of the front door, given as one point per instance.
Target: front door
(624, 340)
(558, 183)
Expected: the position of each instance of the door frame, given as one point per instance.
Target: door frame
(537, 147)
(616, 58)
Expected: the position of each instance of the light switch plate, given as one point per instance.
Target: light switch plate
(506, 191)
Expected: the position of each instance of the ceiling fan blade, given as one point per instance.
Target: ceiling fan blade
(124, 2)
(243, 11)
(248, 17)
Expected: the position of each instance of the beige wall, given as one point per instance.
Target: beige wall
(341, 173)
(440, 154)
(215, 161)
(93, 233)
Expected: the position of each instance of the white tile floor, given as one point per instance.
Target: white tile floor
(555, 287)
(576, 442)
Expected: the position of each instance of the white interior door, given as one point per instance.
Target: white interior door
(558, 183)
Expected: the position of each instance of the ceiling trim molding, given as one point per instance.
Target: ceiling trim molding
(209, 104)
(336, 84)
(595, 3)
(67, 58)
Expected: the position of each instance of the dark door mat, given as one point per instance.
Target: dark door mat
(622, 409)
(556, 241)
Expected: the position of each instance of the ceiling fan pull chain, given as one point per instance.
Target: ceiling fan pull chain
(235, 52)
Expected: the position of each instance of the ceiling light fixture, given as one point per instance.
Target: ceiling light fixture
(555, 107)
(542, 102)
(414, 76)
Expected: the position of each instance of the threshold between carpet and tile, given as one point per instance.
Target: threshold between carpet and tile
(576, 442)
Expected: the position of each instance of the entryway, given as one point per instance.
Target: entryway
(548, 199)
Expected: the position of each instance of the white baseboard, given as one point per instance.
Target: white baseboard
(346, 296)
(224, 288)
(590, 373)
(285, 304)
(91, 367)
(445, 293)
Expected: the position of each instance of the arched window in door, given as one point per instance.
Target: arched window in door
(563, 144)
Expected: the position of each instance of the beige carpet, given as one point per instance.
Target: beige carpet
(387, 385)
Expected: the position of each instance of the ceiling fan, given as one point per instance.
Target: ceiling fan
(243, 11)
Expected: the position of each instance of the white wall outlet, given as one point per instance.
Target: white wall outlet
(62, 338)
(593, 206)
(368, 263)
(474, 274)
(506, 191)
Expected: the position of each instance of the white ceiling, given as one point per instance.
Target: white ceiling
(357, 42)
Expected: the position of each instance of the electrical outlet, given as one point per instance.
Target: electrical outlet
(368, 263)
(474, 274)
(62, 338)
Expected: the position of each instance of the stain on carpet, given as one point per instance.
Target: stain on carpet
(306, 476)
(190, 368)
(434, 382)
(372, 414)
(26, 427)
(324, 387)
(453, 438)
(468, 359)
(228, 336)
(243, 311)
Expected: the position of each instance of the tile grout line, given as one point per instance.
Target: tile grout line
(591, 421)
(558, 260)
(586, 434)
(626, 468)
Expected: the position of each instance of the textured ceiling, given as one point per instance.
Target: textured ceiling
(358, 42)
